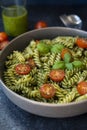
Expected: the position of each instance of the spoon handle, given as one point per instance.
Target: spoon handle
(72, 21)
(64, 19)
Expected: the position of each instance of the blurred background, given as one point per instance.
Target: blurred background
(50, 10)
(56, 2)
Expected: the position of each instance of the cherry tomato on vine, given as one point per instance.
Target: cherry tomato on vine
(40, 24)
(81, 42)
(57, 75)
(82, 87)
(22, 69)
(47, 91)
(3, 37)
(3, 44)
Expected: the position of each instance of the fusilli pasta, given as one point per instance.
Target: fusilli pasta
(28, 85)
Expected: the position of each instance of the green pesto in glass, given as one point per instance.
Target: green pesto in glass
(15, 20)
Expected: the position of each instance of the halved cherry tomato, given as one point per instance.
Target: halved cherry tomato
(3, 37)
(31, 63)
(81, 42)
(22, 69)
(3, 44)
(40, 24)
(82, 87)
(47, 91)
(64, 51)
(57, 75)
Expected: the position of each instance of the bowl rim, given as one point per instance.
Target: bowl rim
(49, 28)
(44, 29)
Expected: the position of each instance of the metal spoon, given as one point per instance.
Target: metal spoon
(72, 21)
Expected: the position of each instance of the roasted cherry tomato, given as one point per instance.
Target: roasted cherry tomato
(82, 87)
(57, 75)
(3, 37)
(47, 91)
(65, 51)
(3, 44)
(22, 69)
(31, 63)
(40, 24)
(81, 42)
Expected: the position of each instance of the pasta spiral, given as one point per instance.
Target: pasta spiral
(43, 61)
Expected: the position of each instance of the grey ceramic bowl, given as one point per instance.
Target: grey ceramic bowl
(38, 108)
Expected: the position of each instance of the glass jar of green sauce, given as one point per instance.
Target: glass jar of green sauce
(15, 20)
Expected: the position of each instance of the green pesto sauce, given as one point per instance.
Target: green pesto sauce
(15, 21)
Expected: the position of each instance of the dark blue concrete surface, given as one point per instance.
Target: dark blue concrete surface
(14, 118)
